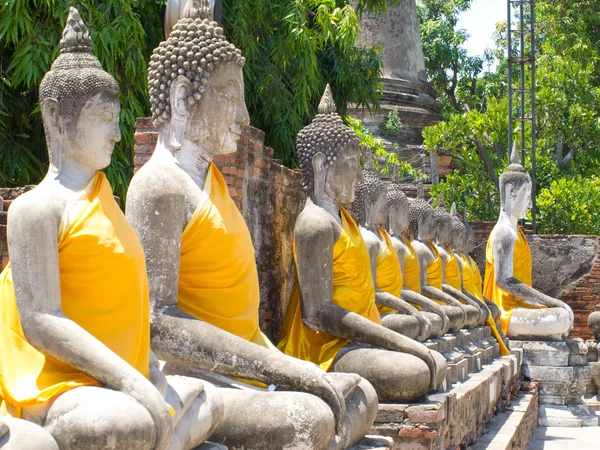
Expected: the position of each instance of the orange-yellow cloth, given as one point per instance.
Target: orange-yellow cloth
(103, 288)
(434, 271)
(353, 290)
(469, 284)
(218, 280)
(389, 272)
(452, 270)
(521, 271)
(412, 269)
(477, 280)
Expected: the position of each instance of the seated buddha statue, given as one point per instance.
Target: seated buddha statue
(371, 210)
(75, 323)
(332, 318)
(451, 267)
(410, 271)
(422, 231)
(525, 313)
(202, 272)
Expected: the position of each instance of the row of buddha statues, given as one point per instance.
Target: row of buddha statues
(141, 330)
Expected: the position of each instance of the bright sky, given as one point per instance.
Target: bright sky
(480, 23)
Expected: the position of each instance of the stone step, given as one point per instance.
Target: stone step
(570, 416)
(374, 443)
(513, 428)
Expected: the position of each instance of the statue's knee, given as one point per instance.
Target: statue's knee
(16, 434)
(100, 419)
(404, 324)
(314, 419)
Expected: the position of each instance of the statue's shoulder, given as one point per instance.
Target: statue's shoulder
(503, 234)
(316, 223)
(44, 204)
(157, 180)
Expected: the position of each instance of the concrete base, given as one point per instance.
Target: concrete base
(572, 416)
(371, 442)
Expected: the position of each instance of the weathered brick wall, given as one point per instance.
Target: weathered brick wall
(564, 267)
(270, 197)
(7, 195)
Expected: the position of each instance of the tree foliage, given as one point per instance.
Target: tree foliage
(568, 123)
(123, 34)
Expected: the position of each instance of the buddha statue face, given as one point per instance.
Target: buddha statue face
(399, 218)
(371, 205)
(215, 122)
(443, 225)
(518, 199)
(422, 220)
(329, 154)
(79, 103)
(196, 85)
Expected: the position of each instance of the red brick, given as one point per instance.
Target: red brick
(425, 414)
(146, 137)
(229, 170)
(144, 123)
(4, 261)
(140, 160)
(234, 193)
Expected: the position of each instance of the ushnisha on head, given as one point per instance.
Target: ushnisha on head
(515, 188)
(195, 49)
(422, 223)
(399, 218)
(328, 151)
(370, 193)
(76, 93)
(443, 221)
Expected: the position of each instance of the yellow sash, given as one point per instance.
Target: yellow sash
(477, 280)
(521, 271)
(353, 290)
(103, 288)
(469, 284)
(389, 272)
(218, 280)
(412, 269)
(452, 270)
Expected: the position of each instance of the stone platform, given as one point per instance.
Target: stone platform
(562, 371)
(453, 418)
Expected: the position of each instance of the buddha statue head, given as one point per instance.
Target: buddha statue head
(370, 203)
(422, 220)
(515, 188)
(458, 233)
(398, 205)
(328, 152)
(469, 234)
(443, 221)
(79, 103)
(197, 87)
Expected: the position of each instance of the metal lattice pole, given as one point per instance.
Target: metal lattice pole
(526, 62)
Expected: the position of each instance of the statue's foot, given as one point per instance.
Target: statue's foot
(456, 317)
(542, 324)
(16, 434)
(94, 418)
(257, 420)
(396, 377)
(436, 323)
(406, 325)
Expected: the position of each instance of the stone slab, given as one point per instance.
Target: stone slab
(574, 416)
(371, 442)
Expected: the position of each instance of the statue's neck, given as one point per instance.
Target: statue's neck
(71, 174)
(320, 198)
(506, 217)
(368, 221)
(192, 158)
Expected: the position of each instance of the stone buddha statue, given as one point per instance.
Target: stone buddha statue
(422, 230)
(525, 312)
(398, 223)
(202, 272)
(332, 318)
(452, 283)
(371, 210)
(75, 324)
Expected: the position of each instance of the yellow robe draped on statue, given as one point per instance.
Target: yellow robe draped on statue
(353, 290)
(434, 271)
(412, 269)
(452, 270)
(522, 271)
(470, 286)
(389, 272)
(477, 280)
(103, 288)
(218, 279)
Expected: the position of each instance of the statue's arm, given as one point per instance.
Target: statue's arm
(314, 241)
(197, 343)
(503, 247)
(427, 304)
(32, 238)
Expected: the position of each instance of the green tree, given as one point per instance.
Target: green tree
(568, 123)
(123, 33)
